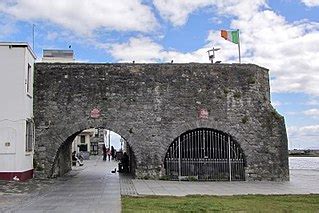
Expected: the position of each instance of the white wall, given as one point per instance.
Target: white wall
(15, 108)
(77, 141)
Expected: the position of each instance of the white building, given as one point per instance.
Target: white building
(16, 111)
(83, 143)
(90, 141)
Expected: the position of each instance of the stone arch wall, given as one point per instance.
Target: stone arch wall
(56, 145)
(152, 104)
(266, 159)
(205, 154)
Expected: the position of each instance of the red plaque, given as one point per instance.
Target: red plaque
(95, 113)
(203, 114)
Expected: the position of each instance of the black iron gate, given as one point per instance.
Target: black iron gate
(205, 154)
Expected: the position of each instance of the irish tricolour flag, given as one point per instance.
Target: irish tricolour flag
(232, 36)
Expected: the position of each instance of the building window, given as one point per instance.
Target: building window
(82, 139)
(29, 136)
(29, 79)
(83, 148)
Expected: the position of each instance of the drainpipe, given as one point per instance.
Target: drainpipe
(229, 162)
(179, 160)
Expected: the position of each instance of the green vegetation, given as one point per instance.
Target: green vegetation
(237, 95)
(251, 80)
(244, 203)
(37, 166)
(276, 115)
(304, 153)
(226, 91)
(165, 177)
(244, 119)
(190, 178)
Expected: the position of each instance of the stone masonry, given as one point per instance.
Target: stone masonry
(152, 104)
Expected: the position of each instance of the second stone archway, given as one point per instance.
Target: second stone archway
(205, 154)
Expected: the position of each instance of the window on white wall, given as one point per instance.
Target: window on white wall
(29, 79)
(82, 139)
(29, 136)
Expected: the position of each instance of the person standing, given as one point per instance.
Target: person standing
(108, 153)
(104, 152)
(112, 152)
(125, 162)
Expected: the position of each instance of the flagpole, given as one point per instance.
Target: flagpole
(239, 47)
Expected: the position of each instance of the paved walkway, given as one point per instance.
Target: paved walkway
(301, 182)
(91, 188)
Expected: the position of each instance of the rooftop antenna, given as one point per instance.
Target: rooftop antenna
(212, 56)
(33, 26)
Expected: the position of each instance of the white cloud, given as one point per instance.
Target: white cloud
(6, 29)
(312, 102)
(177, 12)
(287, 49)
(276, 103)
(289, 52)
(311, 3)
(7, 26)
(267, 39)
(293, 113)
(143, 50)
(85, 16)
(304, 136)
(52, 36)
(312, 112)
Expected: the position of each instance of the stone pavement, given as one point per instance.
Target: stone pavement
(301, 182)
(13, 192)
(91, 188)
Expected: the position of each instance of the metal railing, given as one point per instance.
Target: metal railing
(205, 154)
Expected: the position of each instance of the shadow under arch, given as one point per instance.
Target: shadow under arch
(205, 154)
(62, 160)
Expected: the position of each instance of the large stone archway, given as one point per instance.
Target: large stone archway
(205, 154)
(152, 104)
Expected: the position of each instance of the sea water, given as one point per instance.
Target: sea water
(311, 163)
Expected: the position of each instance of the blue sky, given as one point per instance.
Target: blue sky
(281, 35)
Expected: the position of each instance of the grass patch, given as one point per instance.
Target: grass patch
(243, 203)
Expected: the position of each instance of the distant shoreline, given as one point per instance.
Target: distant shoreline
(303, 155)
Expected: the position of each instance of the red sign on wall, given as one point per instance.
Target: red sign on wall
(203, 113)
(95, 113)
